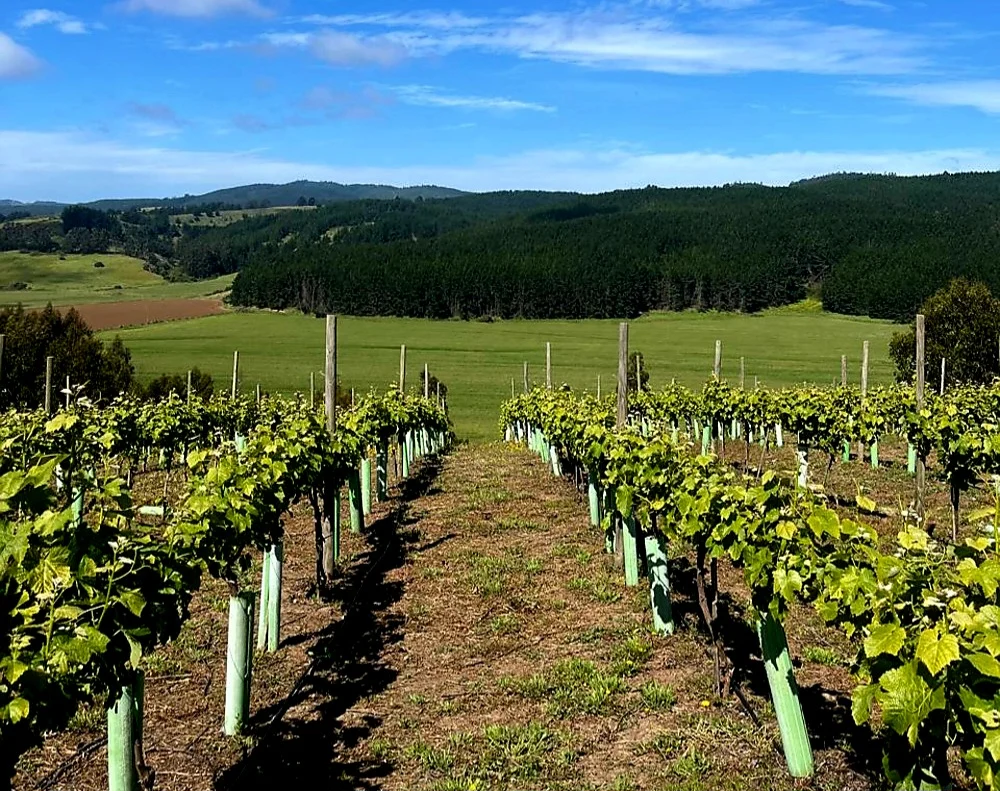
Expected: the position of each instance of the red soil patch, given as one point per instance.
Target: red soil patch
(112, 315)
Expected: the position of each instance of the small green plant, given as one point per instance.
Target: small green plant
(657, 697)
(822, 656)
(432, 759)
(571, 687)
(380, 749)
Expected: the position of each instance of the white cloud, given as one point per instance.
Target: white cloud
(340, 48)
(196, 8)
(876, 4)
(16, 61)
(983, 95)
(621, 38)
(427, 96)
(63, 22)
(67, 166)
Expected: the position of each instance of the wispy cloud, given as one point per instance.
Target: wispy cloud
(427, 96)
(618, 37)
(878, 5)
(61, 21)
(196, 8)
(154, 119)
(337, 47)
(67, 166)
(983, 95)
(16, 61)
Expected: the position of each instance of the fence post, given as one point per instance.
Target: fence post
(717, 367)
(942, 375)
(330, 529)
(402, 368)
(236, 375)
(48, 385)
(548, 366)
(921, 372)
(526, 376)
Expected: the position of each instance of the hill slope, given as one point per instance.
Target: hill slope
(257, 194)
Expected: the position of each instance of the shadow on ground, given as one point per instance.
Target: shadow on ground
(348, 666)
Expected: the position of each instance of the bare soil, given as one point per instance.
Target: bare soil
(114, 315)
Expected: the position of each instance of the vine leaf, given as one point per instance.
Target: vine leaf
(907, 700)
(885, 639)
(937, 651)
(985, 664)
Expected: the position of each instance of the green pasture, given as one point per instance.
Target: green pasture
(477, 360)
(74, 280)
(229, 216)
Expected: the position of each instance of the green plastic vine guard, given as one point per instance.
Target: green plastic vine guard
(659, 582)
(802, 457)
(706, 440)
(366, 484)
(779, 435)
(846, 456)
(382, 471)
(239, 664)
(354, 499)
(274, 567)
(593, 498)
(124, 730)
(265, 591)
(873, 455)
(335, 526)
(610, 513)
(404, 454)
(554, 458)
(785, 696)
(630, 545)
(911, 459)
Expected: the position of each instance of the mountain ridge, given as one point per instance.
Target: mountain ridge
(263, 193)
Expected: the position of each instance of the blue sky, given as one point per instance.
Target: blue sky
(164, 97)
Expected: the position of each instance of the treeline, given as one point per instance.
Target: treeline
(875, 245)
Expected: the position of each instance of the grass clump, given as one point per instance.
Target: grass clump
(571, 688)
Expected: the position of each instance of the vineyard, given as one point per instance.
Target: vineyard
(676, 472)
(113, 516)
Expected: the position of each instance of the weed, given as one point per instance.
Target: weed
(504, 624)
(380, 749)
(657, 697)
(822, 656)
(432, 759)
(570, 687)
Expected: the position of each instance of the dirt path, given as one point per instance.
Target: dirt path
(481, 639)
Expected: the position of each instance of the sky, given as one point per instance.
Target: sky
(155, 98)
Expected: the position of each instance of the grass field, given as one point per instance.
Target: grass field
(229, 216)
(75, 280)
(477, 360)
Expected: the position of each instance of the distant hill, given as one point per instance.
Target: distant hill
(256, 194)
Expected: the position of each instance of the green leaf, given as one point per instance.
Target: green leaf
(18, 709)
(785, 530)
(133, 600)
(907, 700)
(135, 654)
(823, 521)
(985, 664)
(787, 583)
(885, 639)
(866, 504)
(623, 500)
(991, 741)
(937, 651)
(861, 702)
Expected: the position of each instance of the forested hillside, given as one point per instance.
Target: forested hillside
(870, 245)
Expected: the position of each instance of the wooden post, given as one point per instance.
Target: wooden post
(236, 375)
(48, 385)
(921, 462)
(512, 387)
(548, 366)
(743, 372)
(618, 541)
(352, 398)
(864, 369)
(622, 375)
(942, 375)
(68, 391)
(330, 528)
(843, 370)
(258, 392)
(717, 368)
(427, 382)
(598, 387)
(3, 344)
(638, 374)
(312, 389)
(189, 388)
(526, 376)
